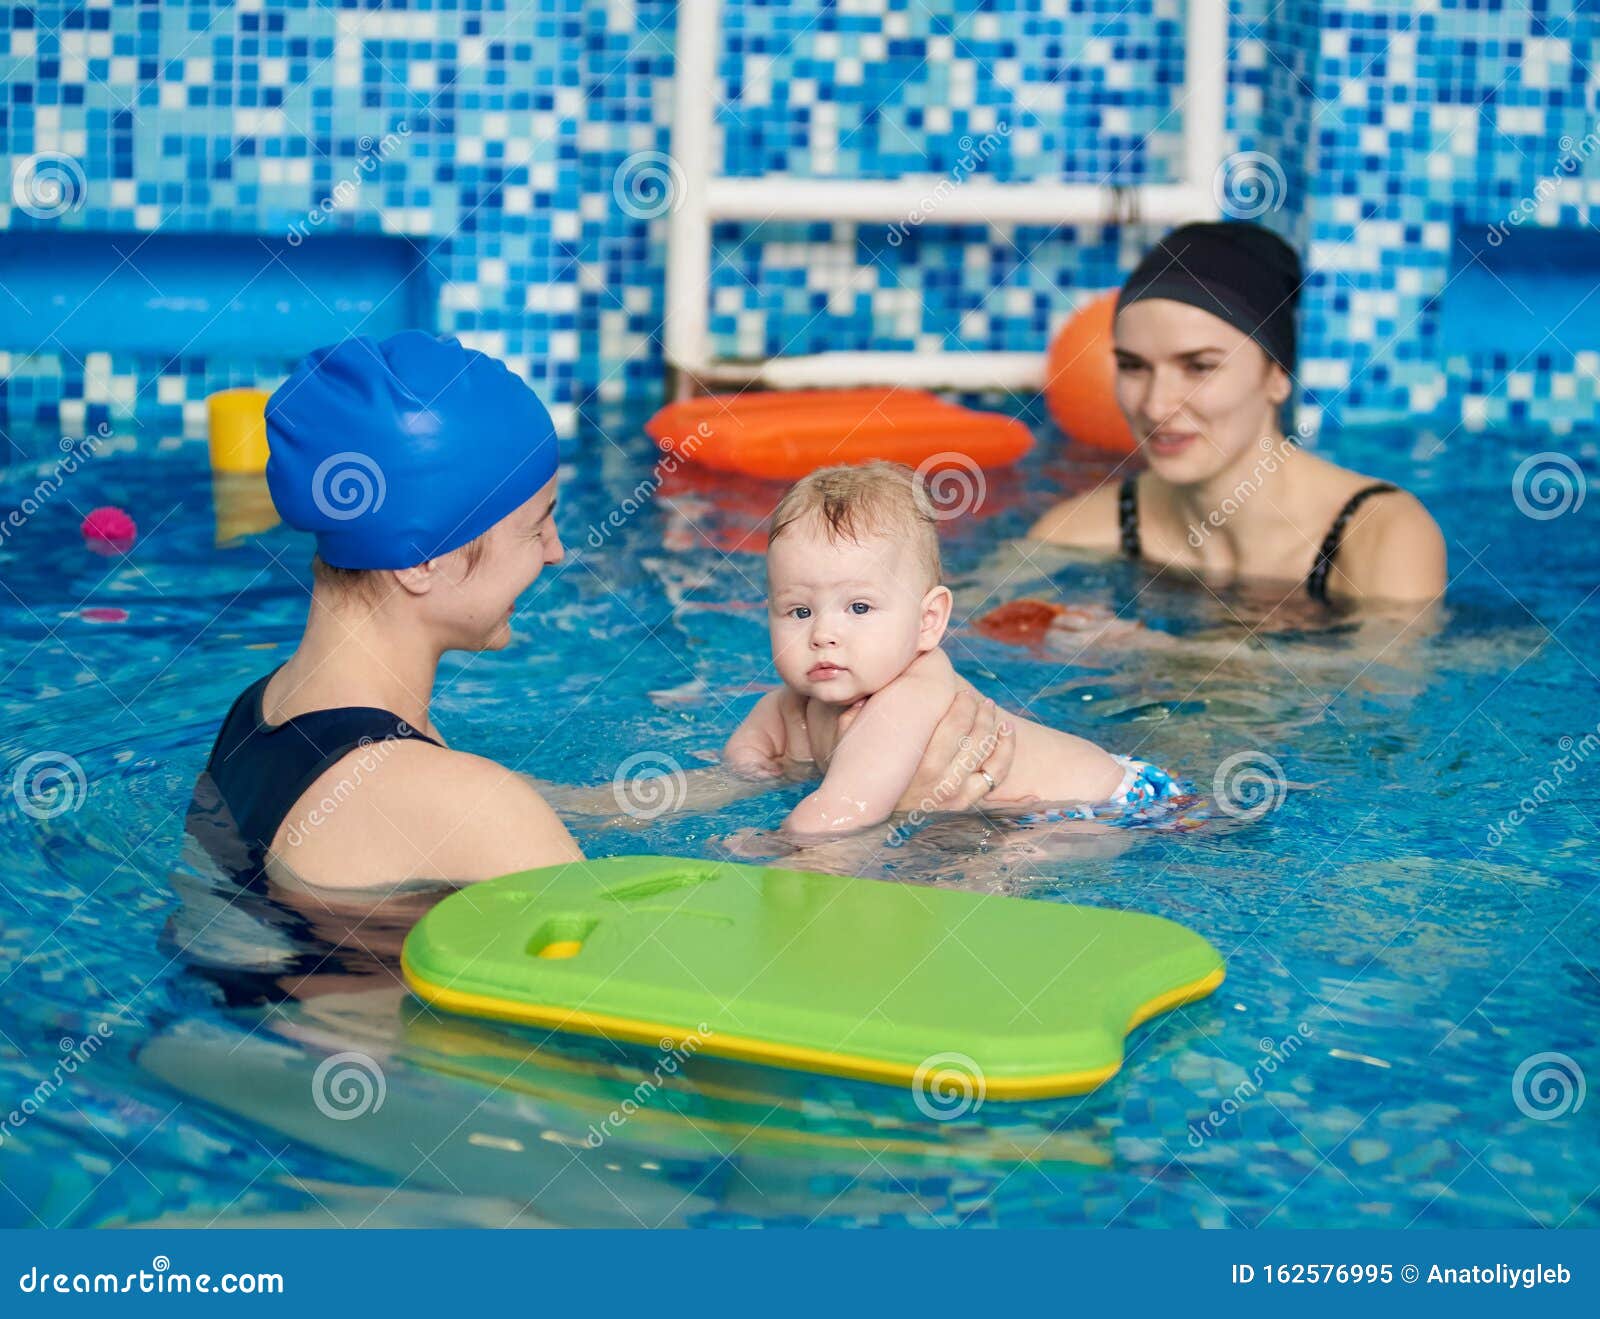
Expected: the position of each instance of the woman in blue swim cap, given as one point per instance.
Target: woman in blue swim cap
(1205, 353)
(427, 473)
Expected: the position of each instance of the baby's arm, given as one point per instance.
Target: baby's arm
(761, 743)
(878, 755)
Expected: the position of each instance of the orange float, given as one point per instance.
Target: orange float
(1081, 379)
(784, 436)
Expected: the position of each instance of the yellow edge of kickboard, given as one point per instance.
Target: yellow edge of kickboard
(1084, 1153)
(1016, 1153)
(487, 1045)
(787, 1055)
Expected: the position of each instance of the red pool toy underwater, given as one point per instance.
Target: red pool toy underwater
(1020, 622)
(784, 436)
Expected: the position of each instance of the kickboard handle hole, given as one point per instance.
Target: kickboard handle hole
(561, 937)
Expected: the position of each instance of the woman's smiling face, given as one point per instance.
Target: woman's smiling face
(1197, 392)
(476, 608)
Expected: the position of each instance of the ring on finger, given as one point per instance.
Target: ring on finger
(987, 778)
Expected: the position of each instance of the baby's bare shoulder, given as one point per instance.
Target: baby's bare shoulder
(929, 675)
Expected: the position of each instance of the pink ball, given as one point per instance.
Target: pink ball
(108, 529)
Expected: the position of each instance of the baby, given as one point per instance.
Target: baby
(857, 611)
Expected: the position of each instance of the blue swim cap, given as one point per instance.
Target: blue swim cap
(394, 453)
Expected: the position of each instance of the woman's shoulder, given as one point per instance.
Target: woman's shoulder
(1087, 521)
(1365, 501)
(412, 809)
(1389, 545)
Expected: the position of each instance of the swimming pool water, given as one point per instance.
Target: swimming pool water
(1397, 947)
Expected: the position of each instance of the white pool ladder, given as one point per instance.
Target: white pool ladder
(708, 196)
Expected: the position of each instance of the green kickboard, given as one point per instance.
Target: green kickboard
(855, 977)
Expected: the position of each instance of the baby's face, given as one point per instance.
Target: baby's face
(846, 618)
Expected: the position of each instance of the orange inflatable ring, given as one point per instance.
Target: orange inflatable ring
(784, 436)
(1081, 379)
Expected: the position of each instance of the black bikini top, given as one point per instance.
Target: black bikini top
(1316, 581)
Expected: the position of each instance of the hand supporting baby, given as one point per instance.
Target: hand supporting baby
(967, 758)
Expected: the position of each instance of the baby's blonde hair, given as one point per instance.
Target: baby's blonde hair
(876, 498)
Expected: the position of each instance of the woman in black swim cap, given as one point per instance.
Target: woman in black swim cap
(1205, 353)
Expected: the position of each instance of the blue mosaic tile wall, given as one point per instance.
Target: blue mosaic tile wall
(505, 140)
(1435, 122)
(454, 125)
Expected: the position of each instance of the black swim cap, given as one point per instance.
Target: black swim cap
(1239, 272)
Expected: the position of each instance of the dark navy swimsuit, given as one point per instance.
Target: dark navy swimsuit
(260, 770)
(235, 931)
